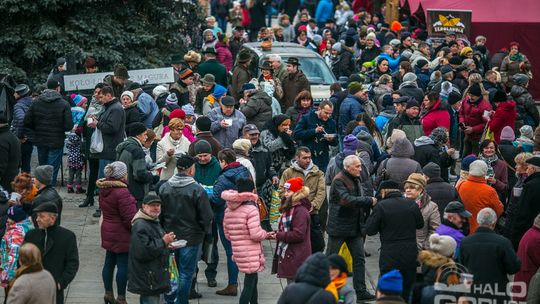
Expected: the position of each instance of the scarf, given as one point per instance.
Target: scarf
(267, 78)
(335, 285)
(516, 57)
(489, 161)
(211, 99)
(285, 224)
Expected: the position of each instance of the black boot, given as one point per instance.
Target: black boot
(97, 213)
(193, 294)
(89, 201)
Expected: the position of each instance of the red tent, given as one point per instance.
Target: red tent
(501, 21)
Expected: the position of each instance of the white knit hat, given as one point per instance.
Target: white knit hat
(442, 244)
(115, 170)
(478, 168)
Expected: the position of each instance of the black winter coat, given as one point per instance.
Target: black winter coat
(19, 112)
(4, 206)
(489, 257)
(261, 159)
(441, 193)
(528, 206)
(396, 219)
(132, 115)
(347, 206)
(131, 153)
(508, 153)
(10, 157)
(426, 154)
(45, 195)
(112, 126)
(49, 117)
(59, 252)
(311, 280)
(412, 90)
(148, 257)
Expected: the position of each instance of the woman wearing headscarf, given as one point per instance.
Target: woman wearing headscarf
(130, 108)
(277, 138)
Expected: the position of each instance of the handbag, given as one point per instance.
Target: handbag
(96, 142)
(487, 134)
(263, 210)
(274, 206)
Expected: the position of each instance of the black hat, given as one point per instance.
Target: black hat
(421, 63)
(349, 41)
(388, 184)
(336, 261)
(134, 86)
(184, 161)
(457, 207)
(228, 101)
(446, 69)
(209, 50)
(52, 84)
(266, 66)
(330, 20)
(461, 68)
(136, 128)
(245, 185)
(176, 59)
(412, 103)
(454, 97)
(475, 90)
(121, 71)
(239, 28)
(451, 43)
(387, 100)
(293, 60)
(243, 57)
(203, 123)
(402, 99)
(60, 61)
(22, 89)
(535, 161)
(432, 170)
(202, 146)
(356, 77)
(46, 207)
(499, 96)
(151, 198)
(455, 60)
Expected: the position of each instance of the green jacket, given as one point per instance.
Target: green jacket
(208, 173)
(215, 68)
(130, 152)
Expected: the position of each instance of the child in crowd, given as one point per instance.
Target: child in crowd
(23, 188)
(75, 163)
(293, 236)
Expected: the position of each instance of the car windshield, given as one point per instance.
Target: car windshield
(315, 69)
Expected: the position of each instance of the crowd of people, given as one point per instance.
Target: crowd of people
(430, 144)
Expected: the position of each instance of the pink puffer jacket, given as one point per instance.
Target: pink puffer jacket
(242, 227)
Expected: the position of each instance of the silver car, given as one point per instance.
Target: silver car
(312, 65)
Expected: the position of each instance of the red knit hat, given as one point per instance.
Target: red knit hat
(294, 184)
(178, 113)
(396, 26)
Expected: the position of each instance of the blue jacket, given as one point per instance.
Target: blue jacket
(393, 63)
(305, 134)
(325, 10)
(350, 108)
(149, 109)
(17, 124)
(227, 181)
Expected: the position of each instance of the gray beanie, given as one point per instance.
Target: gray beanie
(202, 146)
(44, 174)
(410, 77)
(115, 170)
(432, 170)
(526, 131)
(478, 168)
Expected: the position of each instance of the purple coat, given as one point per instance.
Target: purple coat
(298, 238)
(457, 235)
(118, 207)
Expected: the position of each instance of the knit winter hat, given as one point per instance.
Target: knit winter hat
(188, 109)
(337, 47)
(294, 184)
(128, 94)
(520, 79)
(242, 146)
(421, 63)
(44, 174)
(442, 244)
(202, 146)
(466, 162)
(371, 36)
(526, 131)
(432, 170)
(391, 283)
(115, 170)
(499, 96)
(178, 113)
(478, 168)
(439, 136)
(158, 90)
(412, 103)
(79, 100)
(16, 213)
(338, 262)
(184, 161)
(245, 185)
(387, 101)
(219, 91)
(453, 97)
(507, 133)
(350, 144)
(135, 129)
(410, 77)
(395, 26)
(354, 87)
(203, 123)
(475, 90)
(171, 99)
(416, 179)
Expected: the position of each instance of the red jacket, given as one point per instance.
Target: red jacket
(437, 116)
(529, 255)
(472, 115)
(505, 115)
(224, 55)
(118, 208)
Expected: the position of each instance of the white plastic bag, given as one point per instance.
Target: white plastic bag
(96, 142)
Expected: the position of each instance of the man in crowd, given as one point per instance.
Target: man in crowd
(396, 219)
(131, 153)
(528, 207)
(294, 83)
(313, 177)
(212, 66)
(240, 74)
(317, 131)
(455, 223)
(186, 211)
(25, 135)
(408, 121)
(472, 119)
(203, 125)
(279, 69)
(348, 202)
(46, 193)
(58, 247)
(227, 122)
(440, 191)
(119, 80)
(49, 117)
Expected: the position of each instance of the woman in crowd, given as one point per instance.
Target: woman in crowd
(172, 143)
(497, 175)
(397, 77)
(380, 69)
(118, 207)
(130, 108)
(514, 63)
(32, 283)
(434, 113)
(415, 189)
(293, 236)
(267, 76)
(242, 226)
(303, 104)
(504, 115)
(277, 138)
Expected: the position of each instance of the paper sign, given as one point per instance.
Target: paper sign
(89, 81)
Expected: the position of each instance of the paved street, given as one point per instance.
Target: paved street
(88, 288)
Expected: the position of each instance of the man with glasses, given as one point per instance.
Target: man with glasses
(317, 131)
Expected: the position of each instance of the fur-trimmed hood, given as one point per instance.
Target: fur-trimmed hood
(235, 199)
(104, 183)
(432, 259)
(300, 194)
